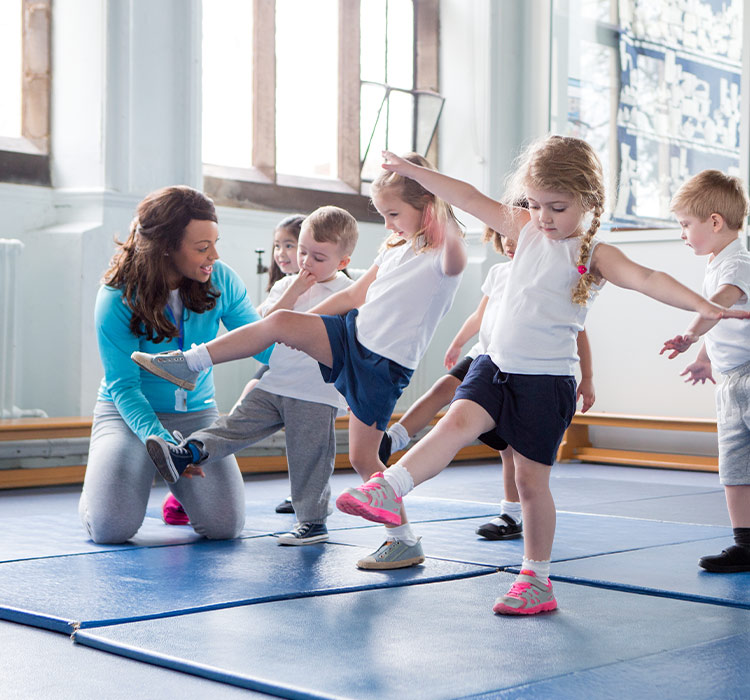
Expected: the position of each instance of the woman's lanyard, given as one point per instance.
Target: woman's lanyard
(180, 395)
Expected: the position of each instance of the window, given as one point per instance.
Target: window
(25, 86)
(290, 120)
(655, 88)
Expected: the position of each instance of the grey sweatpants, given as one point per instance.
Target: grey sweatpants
(310, 444)
(733, 423)
(119, 476)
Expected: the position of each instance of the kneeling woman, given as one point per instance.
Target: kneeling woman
(165, 289)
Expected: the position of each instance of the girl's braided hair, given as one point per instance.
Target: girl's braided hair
(565, 164)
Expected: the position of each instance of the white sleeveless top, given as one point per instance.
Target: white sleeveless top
(538, 323)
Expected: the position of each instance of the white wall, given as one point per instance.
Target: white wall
(127, 120)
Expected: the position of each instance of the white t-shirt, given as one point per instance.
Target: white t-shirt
(728, 342)
(405, 303)
(294, 373)
(538, 323)
(492, 288)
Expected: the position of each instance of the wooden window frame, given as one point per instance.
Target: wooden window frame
(26, 160)
(261, 187)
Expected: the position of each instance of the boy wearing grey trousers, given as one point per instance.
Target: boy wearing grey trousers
(291, 394)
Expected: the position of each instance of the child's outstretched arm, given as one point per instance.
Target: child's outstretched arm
(585, 388)
(727, 295)
(468, 330)
(347, 299)
(505, 220)
(612, 264)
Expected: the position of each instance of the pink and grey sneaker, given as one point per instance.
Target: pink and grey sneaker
(374, 500)
(528, 595)
(172, 512)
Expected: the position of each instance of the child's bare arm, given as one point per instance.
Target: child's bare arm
(468, 330)
(301, 283)
(347, 299)
(585, 388)
(727, 295)
(612, 264)
(454, 251)
(505, 220)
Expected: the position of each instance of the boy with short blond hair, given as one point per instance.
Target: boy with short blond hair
(711, 209)
(291, 394)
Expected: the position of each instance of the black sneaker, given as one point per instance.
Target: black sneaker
(730, 561)
(384, 451)
(494, 530)
(285, 506)
(305, 533)
(172, 460)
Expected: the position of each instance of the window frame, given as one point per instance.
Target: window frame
(26, 160)
(261, 187)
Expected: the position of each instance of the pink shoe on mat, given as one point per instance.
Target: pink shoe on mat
(528, 595)
(172, 512)
(374, 500)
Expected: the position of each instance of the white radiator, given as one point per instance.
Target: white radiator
(10, 252)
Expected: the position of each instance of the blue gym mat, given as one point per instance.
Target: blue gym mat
(715, 669)
(577, 535)
(42, 664)
(99, 589)
(435, 642)
(671, 571)
(708, 508)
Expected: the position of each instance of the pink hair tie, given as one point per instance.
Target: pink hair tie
(582, 269)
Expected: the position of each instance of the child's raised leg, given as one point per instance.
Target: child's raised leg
(737, 557)
(419, 415)
(301, 331)
(401, 547)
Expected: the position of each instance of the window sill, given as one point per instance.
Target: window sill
(252, 189)
(23, 163)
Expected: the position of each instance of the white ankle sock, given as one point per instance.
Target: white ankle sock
(399, 437)
(197, 358)
(399, 479)
(512, 508)
(402, 533)
(540, 568)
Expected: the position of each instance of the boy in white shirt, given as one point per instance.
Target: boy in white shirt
(292, 393)
(711, 209)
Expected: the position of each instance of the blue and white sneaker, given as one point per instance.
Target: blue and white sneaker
(172, 460)
(167, 365)
(305, 533)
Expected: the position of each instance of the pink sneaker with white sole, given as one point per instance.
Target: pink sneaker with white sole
(527, 596)
(374, 500)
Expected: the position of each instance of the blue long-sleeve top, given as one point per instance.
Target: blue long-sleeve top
(140, 395)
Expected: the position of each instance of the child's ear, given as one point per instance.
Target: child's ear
(717, 221)
(343, 263)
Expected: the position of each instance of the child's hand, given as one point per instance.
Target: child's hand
(193, 470)
(678, 344)
(586, 391)
(394, 163)
(451, 356)
(302, 282)
(699, 371)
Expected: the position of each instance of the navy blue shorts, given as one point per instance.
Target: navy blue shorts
(531, 411)
(461, 368)
(460, 371)
(369, 382)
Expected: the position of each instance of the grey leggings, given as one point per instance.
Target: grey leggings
(119, 476)
(310, 444)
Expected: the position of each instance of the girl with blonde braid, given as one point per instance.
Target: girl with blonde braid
(523, 389)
